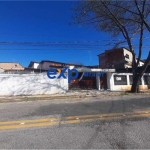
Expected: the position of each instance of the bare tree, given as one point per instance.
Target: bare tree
(126, 18)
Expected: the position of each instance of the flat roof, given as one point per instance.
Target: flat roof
(113, 49)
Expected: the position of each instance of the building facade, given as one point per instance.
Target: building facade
(116, 58)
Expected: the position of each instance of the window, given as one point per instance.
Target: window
(147, 80)
(120, 79)
(127, 56)
(15, 65)
(131, 80)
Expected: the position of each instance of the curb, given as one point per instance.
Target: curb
(98, 97)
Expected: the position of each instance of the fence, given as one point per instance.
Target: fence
(31, 84)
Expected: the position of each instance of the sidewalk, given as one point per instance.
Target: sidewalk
(75, 94)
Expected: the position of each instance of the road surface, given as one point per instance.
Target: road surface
(88, 124)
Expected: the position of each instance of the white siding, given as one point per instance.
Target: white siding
(127, 87)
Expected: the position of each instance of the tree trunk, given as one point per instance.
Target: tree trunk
(136, 77)
(135, 85)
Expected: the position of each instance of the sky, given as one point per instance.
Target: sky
(35, 31)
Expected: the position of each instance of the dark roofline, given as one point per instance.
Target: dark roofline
(59, 62)
(34, 62)
(93, 66)
(101, 53)
(50, 61)
(119, 48)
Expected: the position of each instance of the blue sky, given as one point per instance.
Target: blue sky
(47, 24)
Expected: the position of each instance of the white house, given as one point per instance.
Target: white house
(115, 81)
(34, 65)
(1, 70)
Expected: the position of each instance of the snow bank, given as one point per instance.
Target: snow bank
(31, 84)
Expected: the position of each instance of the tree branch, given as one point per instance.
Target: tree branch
(144, 67)
(141, 36)
(141, 16)
(132, 12)
(125, 33)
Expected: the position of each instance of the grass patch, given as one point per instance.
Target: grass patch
(124, 93)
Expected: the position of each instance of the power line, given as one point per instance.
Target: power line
(64, 36)
(58, 42)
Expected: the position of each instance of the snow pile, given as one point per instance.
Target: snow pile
(31, 84)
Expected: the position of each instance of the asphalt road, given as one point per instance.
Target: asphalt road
(89, 124)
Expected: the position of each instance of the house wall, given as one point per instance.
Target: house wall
(109, 85)
(141, 63)
(102, 60)
(113, 87)
(1, 70)
(116, 58)
(45, 65)
(129, 60)
(112, 58)
(126, 52)
(36, 65)
(31, 84)
(114, 55)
